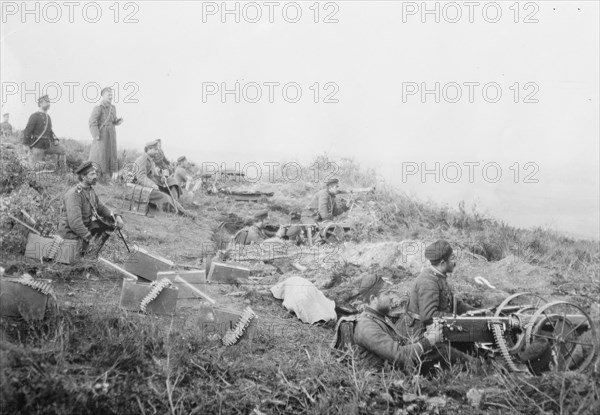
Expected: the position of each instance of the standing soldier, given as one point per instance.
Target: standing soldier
(40, 138)
(6, 129)
(84, 216)
(102, 127)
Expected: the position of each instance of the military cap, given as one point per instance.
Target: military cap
(372, 285)
(438, 251)
(5, 114)
(84, 168)
(262, 214)
(153, 143)
(43, 98)
(106, 89)
(332, 181)
(181, 159)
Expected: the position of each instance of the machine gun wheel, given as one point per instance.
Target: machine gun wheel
(570, 333)
(518, 304)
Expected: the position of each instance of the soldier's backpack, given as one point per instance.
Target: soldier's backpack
(343, 338)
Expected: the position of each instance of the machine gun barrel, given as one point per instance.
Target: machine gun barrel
(476, 329)
(358, 190)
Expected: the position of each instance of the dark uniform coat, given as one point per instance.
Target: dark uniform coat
(324, 206)
(104, 151)
(431, 296)
(144, 173)
(380, 342)
(256, 235)
(77, 212)
(39, 123)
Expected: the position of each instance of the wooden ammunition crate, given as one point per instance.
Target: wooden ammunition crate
(228, 273)
(18, 300)
(136, 198)
(195, 278)
(217, 320)
(134, 292)
(146, 265)
(39, 247)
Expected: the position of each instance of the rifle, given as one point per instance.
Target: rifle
(545, 336)
(164, 179)
(25, 225)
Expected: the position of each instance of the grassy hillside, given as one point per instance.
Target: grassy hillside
(88, 356)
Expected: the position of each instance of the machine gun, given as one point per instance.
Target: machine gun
(307, 230)
(526, 329)
(358, 190)
(355, 193)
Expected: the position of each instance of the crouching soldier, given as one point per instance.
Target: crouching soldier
(147, 174)
(253, 234)
(324, 208)
(84, 216)
(380, 343)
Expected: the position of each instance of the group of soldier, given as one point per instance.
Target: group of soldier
(415, 337)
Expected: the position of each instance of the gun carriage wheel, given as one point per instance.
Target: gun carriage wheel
(518, 305)
(570, 332)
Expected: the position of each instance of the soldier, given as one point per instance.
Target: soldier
(102, 124)
(40, 138)
(379, 342)
(292, 233)
(253, 234)
(147, 174)
(84, 216)
(6, 129)
(431, 295)
(181, 176)
(161, 160)
(323, 205)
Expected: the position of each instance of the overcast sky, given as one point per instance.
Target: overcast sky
(375, 51)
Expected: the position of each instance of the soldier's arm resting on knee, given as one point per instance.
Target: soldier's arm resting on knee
(104, 210)
(142, 178)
